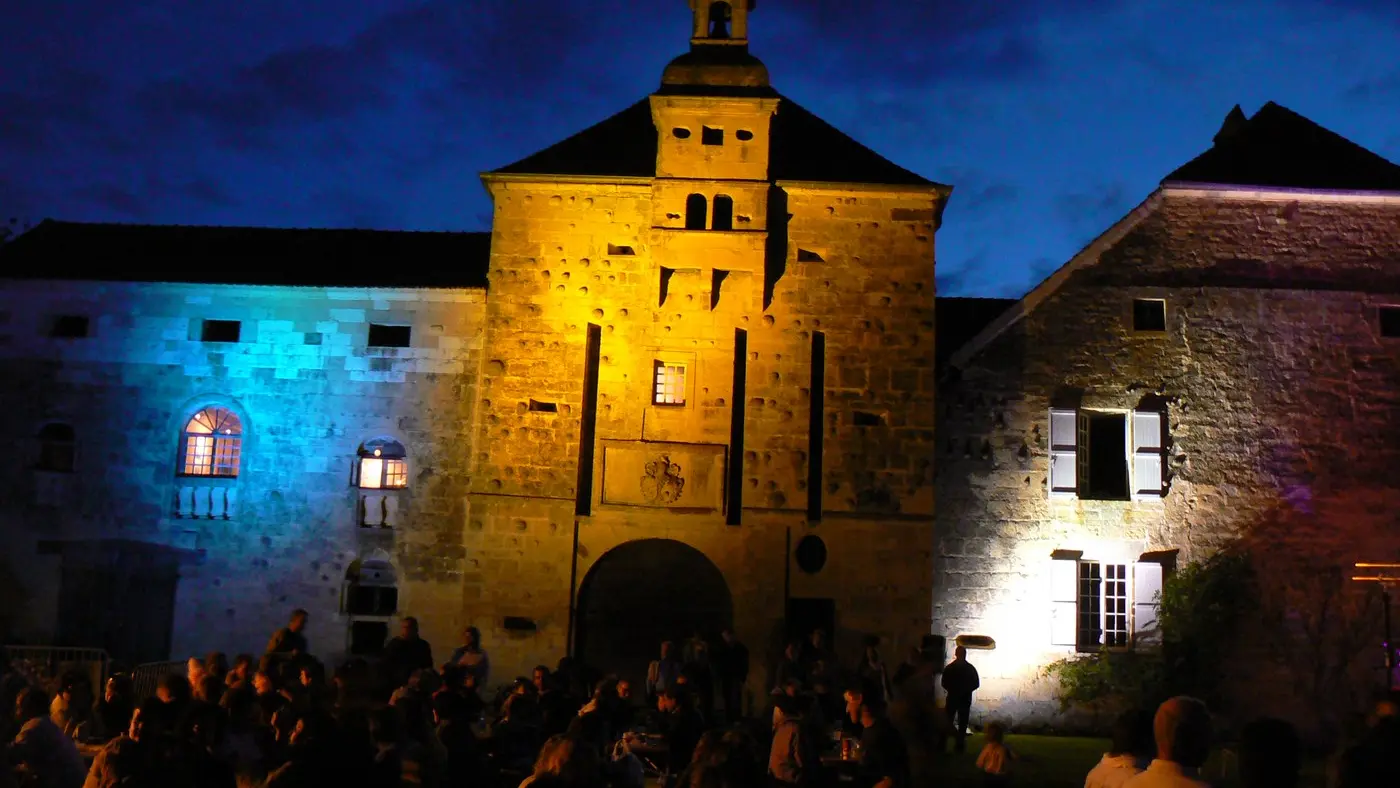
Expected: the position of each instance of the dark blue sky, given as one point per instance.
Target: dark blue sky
(1051, 117)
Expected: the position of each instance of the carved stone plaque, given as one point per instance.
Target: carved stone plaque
(666, 475)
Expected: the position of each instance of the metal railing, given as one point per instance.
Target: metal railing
(144, 678)
(45, 665)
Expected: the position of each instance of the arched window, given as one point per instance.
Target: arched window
(57, 445)
(720, 14)
(383, 465)
(211, 443)
(370, 599)
(724, 213)
(696, 207)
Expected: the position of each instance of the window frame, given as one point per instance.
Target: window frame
(1133, 317)
(1117, 586)
(230, 442)
(1070, 436)
(659, 382)
(389, 460)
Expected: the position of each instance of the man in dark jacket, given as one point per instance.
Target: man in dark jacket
(960, 681)
(733, 669)
(290, 641)
(407, 652)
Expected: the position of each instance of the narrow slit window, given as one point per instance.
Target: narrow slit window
(1390, 322)
(724, 213)
(538, 406)
(809, 256)
(1149, 315)
(620, 251)
(669, 384)
(220, 331)
(710, 135)
(389, 336)
(69, 327)
(864, 418)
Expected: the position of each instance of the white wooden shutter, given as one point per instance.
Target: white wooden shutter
(1148, 455)
(1147, 589)
(1063, 437)
(1064, 602)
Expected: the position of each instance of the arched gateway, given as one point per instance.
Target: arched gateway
(641, 593)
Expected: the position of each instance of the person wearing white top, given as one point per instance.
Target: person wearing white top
(1182, 730)
(1131, 751)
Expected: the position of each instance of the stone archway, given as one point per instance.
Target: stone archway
(641, 593)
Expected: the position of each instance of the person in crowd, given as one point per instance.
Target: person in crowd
(202, 761)
(116, 707)
(407, 652)
(994, 761)
(683, 726)
(884, 759)
(960, 680)
(1129, 753)
(622, 709)
(790, 667)
(216, 665)
(72, 708)
(698, 670)
(289, 642)
(133, 758)
(663, 673)
(1182, 731)
(46, 757)
(908, 668)
(241, 672)
(732, 666)
(817, 649)
(1270, 755)
(473, 658)
(565, 761)
(793, 757)
(874, 678)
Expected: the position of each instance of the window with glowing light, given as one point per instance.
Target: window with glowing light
(669, 384)
(383, 465)
(211, 443)
(1104, 604)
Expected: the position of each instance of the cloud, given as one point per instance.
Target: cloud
(1384, 87)
(114, 199)
(1097, 208)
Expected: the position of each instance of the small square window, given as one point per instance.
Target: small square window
(220, 331)
(1390, 321)
(389, 336)
(1149, 314)
(669, 384)
(69, 327)
(711, 136)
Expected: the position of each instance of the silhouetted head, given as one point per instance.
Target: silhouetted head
(298, 622)
(1182, 730)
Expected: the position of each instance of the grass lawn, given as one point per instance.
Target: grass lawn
(1064, 761)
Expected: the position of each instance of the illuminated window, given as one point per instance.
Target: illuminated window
(1101, 604)
(211, 443)
(669, 386)
(383, 465)
(56, 448)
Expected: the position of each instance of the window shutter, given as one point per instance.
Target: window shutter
(1148, 454)
(1063, 439)
(1147, 588)
(1082, 456)
(1064, 602)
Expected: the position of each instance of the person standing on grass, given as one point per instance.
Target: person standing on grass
(960, 680)
(995, 759)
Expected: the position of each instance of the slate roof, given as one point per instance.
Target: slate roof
(247, 255)
(803, 148)
(958, 320)
(1280, 148)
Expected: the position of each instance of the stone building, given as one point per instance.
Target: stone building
(1220, 366)
(687, 383)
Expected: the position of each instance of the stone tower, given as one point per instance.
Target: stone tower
(707, 394)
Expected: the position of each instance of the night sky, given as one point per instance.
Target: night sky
(1052, 118)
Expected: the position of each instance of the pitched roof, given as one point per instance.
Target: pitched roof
(1280, 148)
(247, 255)
(803, 148)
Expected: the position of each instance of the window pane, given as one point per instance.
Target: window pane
(669, 385)
(226, 455)
(395, 473)
(1090, 605)
(199, 455)
(371, 473)
(1115, 605)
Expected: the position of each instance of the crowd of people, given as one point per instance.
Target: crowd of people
(402, 719)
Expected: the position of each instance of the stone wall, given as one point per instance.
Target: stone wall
(1280, 395)
(308, 391)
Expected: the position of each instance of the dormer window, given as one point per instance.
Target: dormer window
(383, 465)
